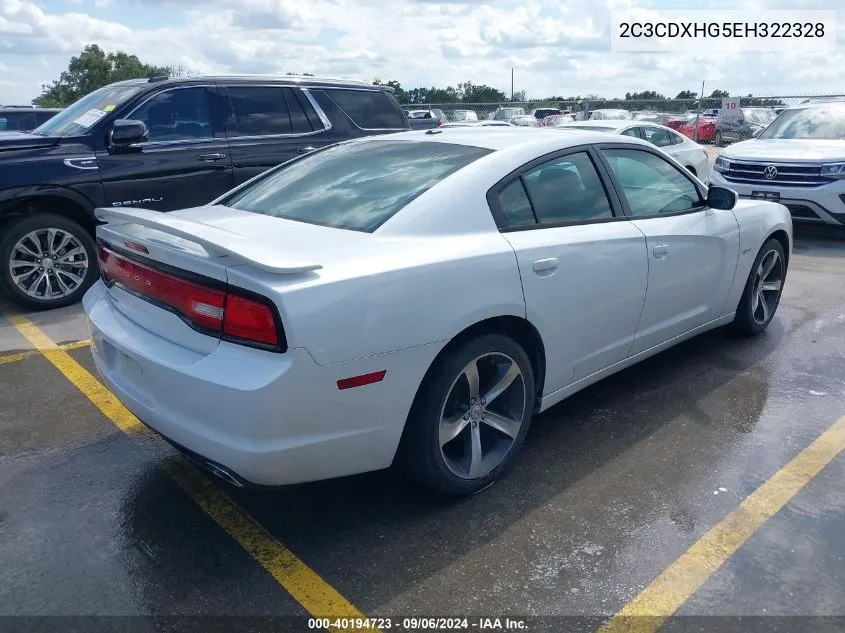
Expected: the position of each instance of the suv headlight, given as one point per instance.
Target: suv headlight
(833, 170)
(721, 164)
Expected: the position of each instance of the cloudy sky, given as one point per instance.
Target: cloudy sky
(555, 46)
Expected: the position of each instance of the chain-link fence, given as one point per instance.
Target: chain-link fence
(637, 107)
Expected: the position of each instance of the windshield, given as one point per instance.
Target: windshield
(759, 117)
(818, 122)
(355, 186)
(83, 115)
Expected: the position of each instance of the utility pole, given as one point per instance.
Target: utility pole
(698, 111)
(511, 84)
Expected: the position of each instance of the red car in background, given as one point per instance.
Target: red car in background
(706, 129)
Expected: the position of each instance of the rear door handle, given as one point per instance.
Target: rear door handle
(660, 250)
(210, 158)
(547, 266)
(305, 150)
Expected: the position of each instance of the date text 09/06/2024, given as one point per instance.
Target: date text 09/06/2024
(419, 624)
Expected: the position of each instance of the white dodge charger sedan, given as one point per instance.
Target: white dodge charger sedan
(684, 150)
(416, 298)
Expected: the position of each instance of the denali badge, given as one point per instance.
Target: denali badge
(770, 172)
(135, 203)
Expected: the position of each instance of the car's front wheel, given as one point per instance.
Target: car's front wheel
(471, 415)
(763, 290)
(46, 261)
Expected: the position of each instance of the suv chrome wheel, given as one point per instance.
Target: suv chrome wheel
(482, 415)
(48, 263)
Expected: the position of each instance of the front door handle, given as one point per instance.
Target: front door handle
(545, 266)
(210, 158)
(305, 150)
(660, 250)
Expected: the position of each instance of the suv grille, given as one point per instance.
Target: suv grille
(787, 174)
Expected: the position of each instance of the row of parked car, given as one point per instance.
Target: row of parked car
(14, 118)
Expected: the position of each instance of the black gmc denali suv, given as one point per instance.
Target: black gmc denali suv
(161, 144)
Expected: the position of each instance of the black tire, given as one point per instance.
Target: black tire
(719, 140)
(420, 453)
(745, 322)
(17, 228)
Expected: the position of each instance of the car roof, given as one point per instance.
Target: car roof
(305, 80)
(503, 138)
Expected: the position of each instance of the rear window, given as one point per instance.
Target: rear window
(356, 186)
(369, 109)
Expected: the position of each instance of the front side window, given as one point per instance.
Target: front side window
(355, 186)
(567, 189)
(652, 185)
(176, 115)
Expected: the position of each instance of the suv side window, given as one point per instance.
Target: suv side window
(567, 189)
(368, 109)
(176, 115)
(651, 184)
(298, 117)
(258, 111)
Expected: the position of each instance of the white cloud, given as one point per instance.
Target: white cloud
(555, 47)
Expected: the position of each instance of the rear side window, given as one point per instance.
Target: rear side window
(258, 111)
(360, 185)
(567, 189)
(657, 136)
(368, 109)
(298, 118)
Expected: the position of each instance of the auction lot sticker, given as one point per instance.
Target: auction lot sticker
(720, 32)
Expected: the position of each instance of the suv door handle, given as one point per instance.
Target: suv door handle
(210, 158)
(305, 150)
(547, 266)
(660, 250)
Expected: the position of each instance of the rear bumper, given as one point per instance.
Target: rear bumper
(270, 419)
(820, 205)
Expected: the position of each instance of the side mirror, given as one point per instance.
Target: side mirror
(126, 132)
(720, 198)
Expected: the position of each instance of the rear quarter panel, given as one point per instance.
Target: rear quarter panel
(405, 292)
(757, 222)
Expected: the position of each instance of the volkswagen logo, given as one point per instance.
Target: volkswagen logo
(770, 172)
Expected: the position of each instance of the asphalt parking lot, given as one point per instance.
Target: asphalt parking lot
(706, 481)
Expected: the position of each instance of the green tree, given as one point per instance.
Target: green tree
(646, 95)
(398, 92)
(469, 92)
(719, 94)
(93, 69)
(687, 94)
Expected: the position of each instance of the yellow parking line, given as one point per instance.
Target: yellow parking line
(317, 597)
(650, 609)
(10, 358)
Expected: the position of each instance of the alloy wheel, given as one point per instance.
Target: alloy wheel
(482, 415)
(768, 283)
(48, 263)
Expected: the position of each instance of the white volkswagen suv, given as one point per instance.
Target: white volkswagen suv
(798, 160)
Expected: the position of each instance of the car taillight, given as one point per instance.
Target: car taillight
(214, 311)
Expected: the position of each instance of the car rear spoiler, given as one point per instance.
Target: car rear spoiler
(216, 241)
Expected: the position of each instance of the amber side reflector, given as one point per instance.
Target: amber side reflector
(360, 381)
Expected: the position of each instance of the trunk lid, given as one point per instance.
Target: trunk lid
(201, 245)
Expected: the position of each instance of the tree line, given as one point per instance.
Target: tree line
(94, 68)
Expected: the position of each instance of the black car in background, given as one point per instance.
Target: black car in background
(22, 118)
(160, 144)
(747, 123)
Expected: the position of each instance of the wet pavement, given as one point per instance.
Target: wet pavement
(611, 487)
